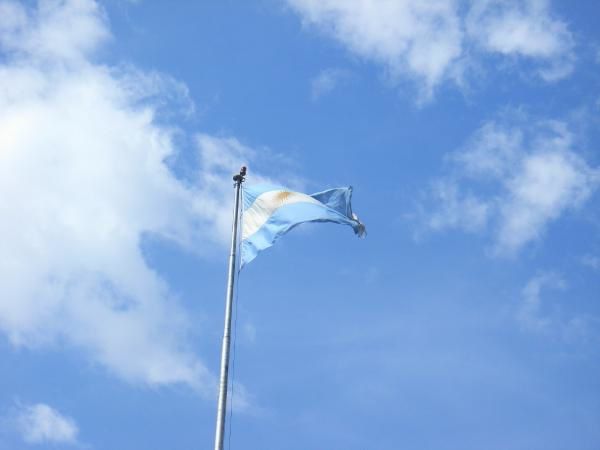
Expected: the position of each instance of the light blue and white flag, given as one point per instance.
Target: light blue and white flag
(271, 211)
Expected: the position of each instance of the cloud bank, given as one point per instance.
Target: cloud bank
(436, 41)
(84, 177)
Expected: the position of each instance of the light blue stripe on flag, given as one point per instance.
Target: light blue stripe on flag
(271, 211)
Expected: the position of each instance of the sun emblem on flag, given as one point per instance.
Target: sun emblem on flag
(282, 197)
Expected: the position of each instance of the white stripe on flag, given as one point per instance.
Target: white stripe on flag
(266, 204)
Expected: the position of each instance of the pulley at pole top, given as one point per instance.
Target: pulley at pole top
(240, 177)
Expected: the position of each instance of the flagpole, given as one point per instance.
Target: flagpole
(222, 402)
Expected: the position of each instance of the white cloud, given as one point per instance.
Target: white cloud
(56, 30)
(84, 178)
(41, 423)
(525, 177)
(432, 41)
(418, 39)
(326, 81)
(523, 28)
(456, 210)
(547, 183)
(492, 151)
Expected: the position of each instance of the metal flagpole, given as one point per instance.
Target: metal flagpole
(222, 403)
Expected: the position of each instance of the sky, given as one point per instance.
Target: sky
(468, 318)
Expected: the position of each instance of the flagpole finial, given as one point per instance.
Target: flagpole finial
(240, 177)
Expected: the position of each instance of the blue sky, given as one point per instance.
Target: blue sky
(467, 319)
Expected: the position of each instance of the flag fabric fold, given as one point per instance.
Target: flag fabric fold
(270, 211)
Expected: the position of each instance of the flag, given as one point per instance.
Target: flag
(271, 211)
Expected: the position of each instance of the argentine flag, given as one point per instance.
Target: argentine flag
(271, 211)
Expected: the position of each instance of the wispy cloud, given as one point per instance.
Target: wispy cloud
(432, 42)
(456, 209)
(40, 423)
(326, 81)
(541, 312)
(529, 313)
(525, 176)
(418, 39)
(591, 261)
(63, 30)
(523, 29)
